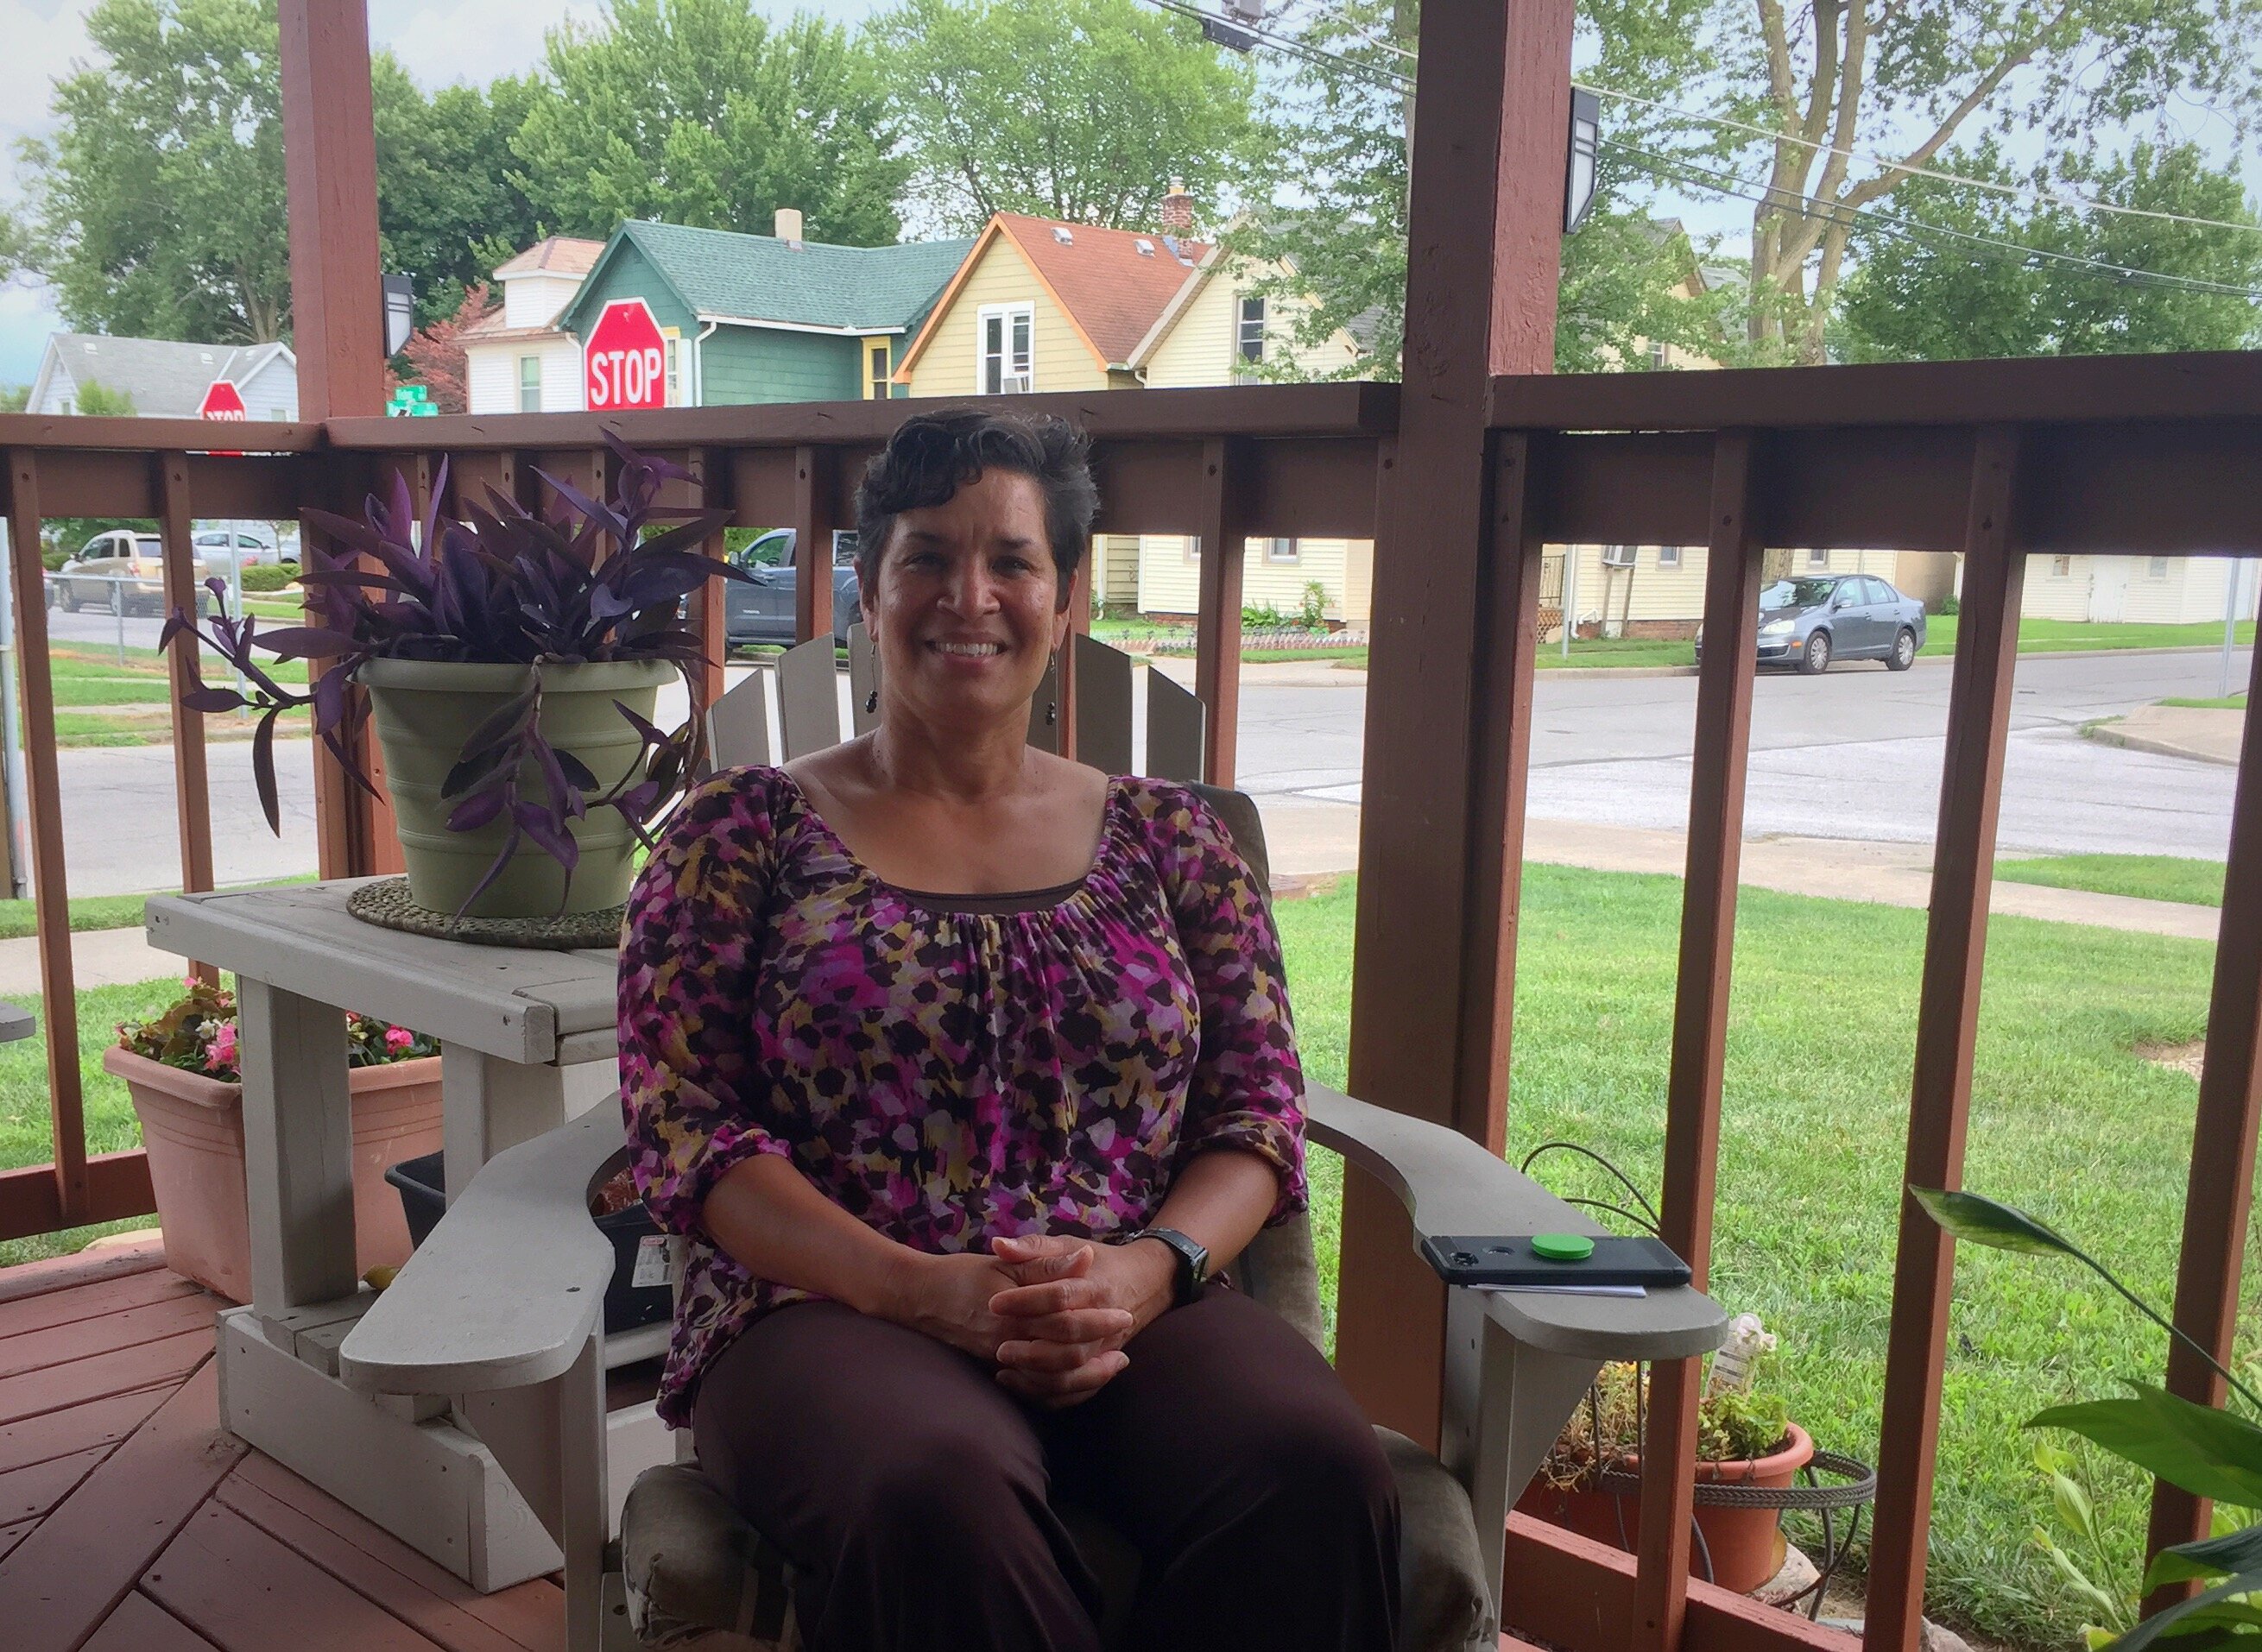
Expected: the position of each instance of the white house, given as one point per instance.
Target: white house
(2132, 590)
(164, 378)
(519, 360)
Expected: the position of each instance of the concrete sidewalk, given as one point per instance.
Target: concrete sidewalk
(2205, 734)
(1310, 839)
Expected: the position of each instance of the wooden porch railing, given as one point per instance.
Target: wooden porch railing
(1996, 461)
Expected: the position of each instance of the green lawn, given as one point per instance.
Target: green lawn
(2148, 877)
(2228, 702)
(2065, 1121)
(2058, 636)
(20, 919)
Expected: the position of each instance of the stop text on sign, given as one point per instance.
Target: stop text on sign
(625, 360)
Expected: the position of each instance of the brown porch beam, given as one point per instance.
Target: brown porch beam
(1700, 1020)
(814, 516)
(2222, 1187)
(329, 176)
(1947, 1028)
(1224, 533)
(1439, 867)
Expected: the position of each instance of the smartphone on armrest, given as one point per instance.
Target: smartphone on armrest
(1464, 1259)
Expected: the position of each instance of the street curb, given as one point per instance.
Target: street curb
(2105, 734)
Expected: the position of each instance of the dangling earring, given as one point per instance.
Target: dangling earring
(1052, 707)
(872, 699)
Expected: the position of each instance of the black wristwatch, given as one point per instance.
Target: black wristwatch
(1194, 1261)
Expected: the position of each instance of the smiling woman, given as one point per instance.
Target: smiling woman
(962, 1065)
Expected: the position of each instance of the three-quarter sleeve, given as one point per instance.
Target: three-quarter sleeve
(691, 1089)
(1248, 1085)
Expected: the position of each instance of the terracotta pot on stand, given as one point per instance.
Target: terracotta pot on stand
(1746, 1545)
(193, 1127)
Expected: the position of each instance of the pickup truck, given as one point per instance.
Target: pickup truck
(763, 611)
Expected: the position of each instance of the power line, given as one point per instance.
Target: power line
(1728, 183)
(2081, 201)
(1729, 123)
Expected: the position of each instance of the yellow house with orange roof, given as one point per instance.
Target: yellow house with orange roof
(1044, 307)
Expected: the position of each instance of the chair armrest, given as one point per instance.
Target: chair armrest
(509, 1288)
(1450, 1184)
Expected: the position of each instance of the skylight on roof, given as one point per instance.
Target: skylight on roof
(1063, 236)
(1146, 248)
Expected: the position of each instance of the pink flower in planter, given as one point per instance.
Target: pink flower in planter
(222, 1054)
(397, 1038)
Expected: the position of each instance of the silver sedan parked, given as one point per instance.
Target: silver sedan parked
(1810, 620)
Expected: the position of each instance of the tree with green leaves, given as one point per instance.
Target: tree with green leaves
(1082, 110)
(1631, 283)
(158, 202)
(1838, 100)
(1959, 290)
(450, 207)
(705, 112)
(15, 398)
(96, 400)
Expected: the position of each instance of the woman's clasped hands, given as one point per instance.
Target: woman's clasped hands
(1051, 1311)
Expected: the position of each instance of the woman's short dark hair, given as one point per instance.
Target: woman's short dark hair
(932, 454)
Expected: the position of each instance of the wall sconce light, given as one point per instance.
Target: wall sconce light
(1578, 173)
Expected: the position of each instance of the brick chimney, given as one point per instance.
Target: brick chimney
(1177, 213)
(787, 223)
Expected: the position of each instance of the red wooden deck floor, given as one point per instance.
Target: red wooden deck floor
(130, 1523)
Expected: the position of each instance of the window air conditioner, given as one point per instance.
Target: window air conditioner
(1618, 555)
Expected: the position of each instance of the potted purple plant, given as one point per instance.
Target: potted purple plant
(512, 663)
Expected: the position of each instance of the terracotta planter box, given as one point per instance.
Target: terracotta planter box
(193, 1127)
(1746, 1545)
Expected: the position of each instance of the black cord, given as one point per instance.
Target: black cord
(1620, 1176)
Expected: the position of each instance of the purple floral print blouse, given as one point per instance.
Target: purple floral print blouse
(949, 1068)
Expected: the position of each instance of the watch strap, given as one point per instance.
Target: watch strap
(1192, 1267)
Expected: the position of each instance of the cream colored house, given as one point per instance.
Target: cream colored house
(518, 359)
(1040, 306)
(2134, 590)
(1659, 590)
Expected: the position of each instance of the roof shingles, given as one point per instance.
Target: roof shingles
(1111, 290)
(808, 284)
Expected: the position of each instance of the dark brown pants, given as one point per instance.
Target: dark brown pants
(913, 1491)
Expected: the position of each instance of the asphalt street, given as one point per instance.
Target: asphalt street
(1853, 754)
(1856, 753)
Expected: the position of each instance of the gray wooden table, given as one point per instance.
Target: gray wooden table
(527, 1039)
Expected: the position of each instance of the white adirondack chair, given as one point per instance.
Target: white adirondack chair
(501, 1307)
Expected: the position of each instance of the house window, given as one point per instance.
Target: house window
(1817, 559)
(2159, 567)
(1249, 340)
(2062, 567)
(1280, 550)
(674, 369)
(529, 383)
(1668, 555)
(876, 372)
(1007, 335)
(1193, 551)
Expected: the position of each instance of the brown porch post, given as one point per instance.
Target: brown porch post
(1440, 843)
(329, 174)
(2222, 1184)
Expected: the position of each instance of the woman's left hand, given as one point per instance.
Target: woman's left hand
(1077, 1304)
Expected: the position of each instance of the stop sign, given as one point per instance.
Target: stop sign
(624, 363)
(223, 400)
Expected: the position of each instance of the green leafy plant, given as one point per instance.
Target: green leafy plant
(269, 576)
(2208, 1451)
(2090, 1559)
(1313, 617)
(1606, 1432)
(197, 1033)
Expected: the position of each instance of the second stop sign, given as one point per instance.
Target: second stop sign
(624, 363)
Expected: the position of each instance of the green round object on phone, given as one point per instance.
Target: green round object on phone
(1562, 1247)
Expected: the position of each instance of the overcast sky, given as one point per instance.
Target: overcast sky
(439, 42)
(442, 41)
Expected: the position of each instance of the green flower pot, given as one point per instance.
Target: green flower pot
(423, 710)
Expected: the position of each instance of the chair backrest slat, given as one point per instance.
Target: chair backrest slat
(809, 697)
(1174, 730)
(1103, 705)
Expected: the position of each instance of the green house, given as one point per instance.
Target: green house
(769, 318)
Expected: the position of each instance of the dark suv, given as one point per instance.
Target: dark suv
(763, 611)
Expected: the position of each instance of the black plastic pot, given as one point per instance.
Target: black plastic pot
(423, 1200)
